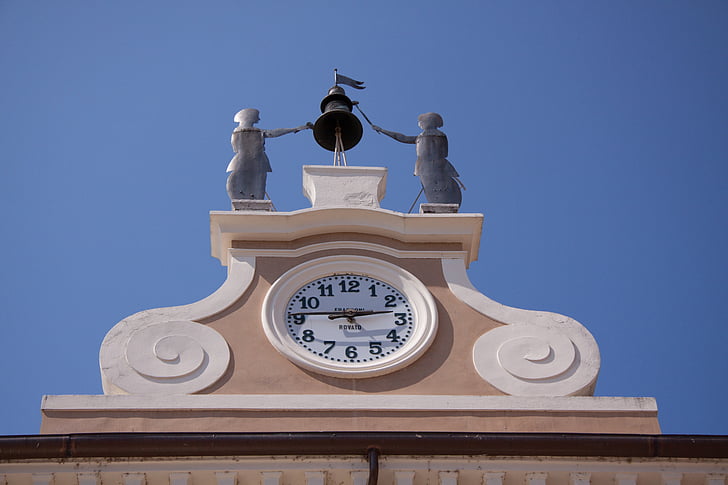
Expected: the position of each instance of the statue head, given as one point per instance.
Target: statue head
(247, 117)
(429, 120)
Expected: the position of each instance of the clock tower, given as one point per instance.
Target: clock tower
(346, 316)
(347, 346)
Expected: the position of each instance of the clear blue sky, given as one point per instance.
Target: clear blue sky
(592, 135)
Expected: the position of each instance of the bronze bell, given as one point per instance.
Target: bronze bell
(336, 113)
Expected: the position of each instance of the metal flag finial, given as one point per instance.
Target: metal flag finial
(341, 79)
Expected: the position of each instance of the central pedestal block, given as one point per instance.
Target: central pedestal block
(331, 186)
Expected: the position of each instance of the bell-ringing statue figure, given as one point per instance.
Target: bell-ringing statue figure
(437, 175)
(250, 166)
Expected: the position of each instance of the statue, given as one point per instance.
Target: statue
(438, 177)
(250, 166)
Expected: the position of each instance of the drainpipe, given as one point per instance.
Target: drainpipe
(373, 459)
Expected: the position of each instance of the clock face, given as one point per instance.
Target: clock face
(349, 316)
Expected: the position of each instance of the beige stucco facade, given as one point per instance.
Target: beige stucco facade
(444, 369)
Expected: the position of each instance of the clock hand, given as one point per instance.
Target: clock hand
(310, 313)
(348, 314)
(356, 313)
(343, 314)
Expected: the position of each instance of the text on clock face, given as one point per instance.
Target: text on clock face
(377, 318)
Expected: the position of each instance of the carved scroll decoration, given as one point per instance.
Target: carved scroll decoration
(534, 353)
(165, 350)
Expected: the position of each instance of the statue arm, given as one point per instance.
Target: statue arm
(397, 136)
(284, 131)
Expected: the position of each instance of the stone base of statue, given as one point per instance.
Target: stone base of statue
(252, 205)
(336, 186)
(432, 208)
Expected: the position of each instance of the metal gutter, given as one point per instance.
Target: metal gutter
(115, 445)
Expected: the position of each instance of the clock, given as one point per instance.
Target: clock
(349, 316)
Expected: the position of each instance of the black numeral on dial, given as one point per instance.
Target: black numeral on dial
(331, 344)
(310, 303)
(349, 286)
(375, 348)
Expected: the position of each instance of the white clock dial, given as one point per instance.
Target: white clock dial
(349, 316)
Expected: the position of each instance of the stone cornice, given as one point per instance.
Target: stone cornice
(228, 226)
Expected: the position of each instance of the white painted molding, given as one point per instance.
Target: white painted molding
(448, 478)
(404, 477)
(354, 402)
(493, 478)
(625, 479)
(134, 478)
(226, 478)
(291, 469)
(87, 478)
(580, 478)
(671, 478)
(43, 478)
(536, 478)
(359, 477)
(165, 351)
(344, 246)
(270, 478)
(179, 478)
(315, 478)
(534, 353)
(228, 226)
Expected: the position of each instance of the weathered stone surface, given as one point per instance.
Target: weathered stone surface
(252, 205)
(433, 208)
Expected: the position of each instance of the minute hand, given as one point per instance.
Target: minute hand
(356, 313)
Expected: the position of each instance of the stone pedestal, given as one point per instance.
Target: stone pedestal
(432, 208)
(335, 186)
(252, 205)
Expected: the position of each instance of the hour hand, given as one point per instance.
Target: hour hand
(348, 314)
